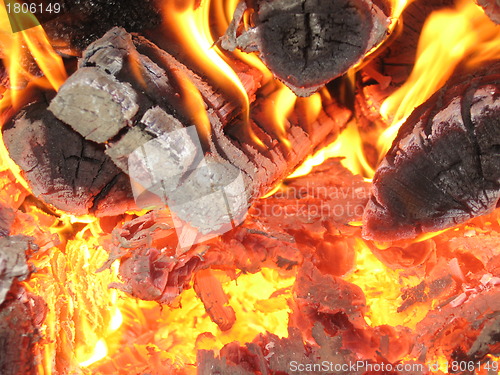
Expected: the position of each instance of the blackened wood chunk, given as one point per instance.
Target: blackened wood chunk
(21, 318)
(444, 166)
(62, 168)
(307, 43)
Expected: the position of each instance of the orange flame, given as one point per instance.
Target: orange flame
(18, 48)
(448, 38)
(348, 145)
(190, 26)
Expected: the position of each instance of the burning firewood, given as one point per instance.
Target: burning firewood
(130, 97)
(442, 169)
(307, 218)
(463, 330)
(307, 43)
(394, 61)
(210, 291)
(330, 332)
(63, 168)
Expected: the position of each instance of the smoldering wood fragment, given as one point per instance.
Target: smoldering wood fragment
(460, 328)
(487, 342)
(394, 61)
(491, 8)
(13, 262)
(210, 291)
(443, 167)
(95, 104)
(307, 43)
(62, 168)
(21, 319)
(6, 219)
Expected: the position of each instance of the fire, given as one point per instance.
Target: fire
(38, 47)
(348, 145)
(94, 329)
(189, 25)
(449, 37)
(382, 287)
(280, 105)
(175, 334)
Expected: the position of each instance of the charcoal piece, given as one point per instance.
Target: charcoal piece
(13, 264)
(62, 168)
(21, 317)
(460, 329)
(95, 104)
(444, 166)
(307, 43)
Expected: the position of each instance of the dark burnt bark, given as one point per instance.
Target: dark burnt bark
(307, 43)
(62, 168)
(442, 169)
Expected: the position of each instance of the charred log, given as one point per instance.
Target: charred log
(130, 97)
(62, 168)
(442, 169)
(308, 43)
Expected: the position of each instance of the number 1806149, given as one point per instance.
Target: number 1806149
(18, 8)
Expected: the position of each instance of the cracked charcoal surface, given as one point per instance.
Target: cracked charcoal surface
(307, 43)
(444, 166)
(63, 168)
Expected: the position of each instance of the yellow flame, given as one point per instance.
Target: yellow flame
(348, 145)
(280, 105)
(447, 38)
(100, 352)
(192, 28)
